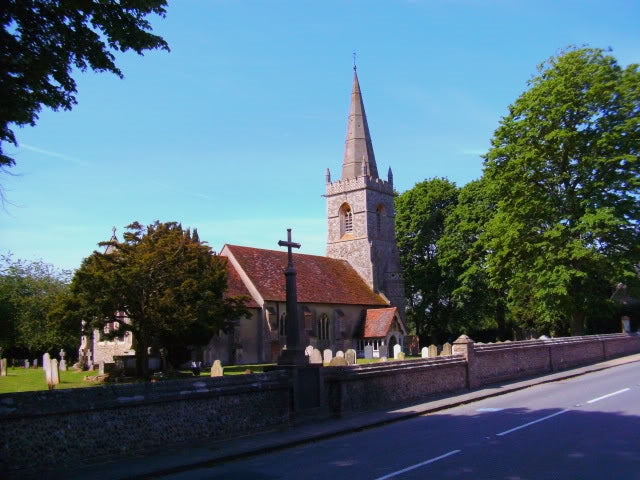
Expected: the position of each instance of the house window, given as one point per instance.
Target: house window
(282, 325)
(323, 327)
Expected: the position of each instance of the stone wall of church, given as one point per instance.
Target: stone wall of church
(105, 350)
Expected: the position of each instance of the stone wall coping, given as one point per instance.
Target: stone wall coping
(355, 372)
(106, 397)
(546, 342)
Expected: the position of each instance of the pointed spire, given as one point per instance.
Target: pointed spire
(390, 176)
(358, 147)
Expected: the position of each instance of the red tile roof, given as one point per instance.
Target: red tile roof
(236, 287)
(378, 322)
(319, 279)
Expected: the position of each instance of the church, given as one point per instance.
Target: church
(350, 298)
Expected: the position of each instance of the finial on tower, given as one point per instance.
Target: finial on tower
(390, 176)
(327, 176)
(355, 67)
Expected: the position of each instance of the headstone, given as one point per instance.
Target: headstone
(396, 351)
(338, 362)
(55, 373)
(89, 361)
(308, 350)
(3, 367)
(100, 368)
(350, 356)
(401, 356)
(63, 361)
(216, 369)
(340, 353)
(383, 359)
(424, 352)
(35, 363)
(26, 364)
(446, 350)
(46, 364)
(368, 351)
(327, 355)
(315, 357)
(433, 351)
(626, 324)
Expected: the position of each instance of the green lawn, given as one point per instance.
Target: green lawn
(32, 379)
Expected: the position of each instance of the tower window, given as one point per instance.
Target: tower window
(323, 327)
(282, 325)
(346, 219)
(379, 214)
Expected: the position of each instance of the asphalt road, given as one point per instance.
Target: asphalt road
(585, 427)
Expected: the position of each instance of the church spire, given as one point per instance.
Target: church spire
(358, 148)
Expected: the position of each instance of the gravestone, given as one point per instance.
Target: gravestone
(396, 351)
(340, 353)
(350, 356)
(63, 361)
(3, 367)
(308, 350)
(216, 369)
(338, 362)
(35, 363)
(100, 368)
(383, 359)
(401, 356)
(327, 355)
(433, 351)
(368, 351)
(315, 357)
(46, 363)
(55, 373)
(424, 352)
(446, 350)
(26, 364)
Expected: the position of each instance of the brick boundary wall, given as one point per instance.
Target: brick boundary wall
(73, 427)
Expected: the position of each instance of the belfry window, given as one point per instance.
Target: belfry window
(346, 219)
(323, 327)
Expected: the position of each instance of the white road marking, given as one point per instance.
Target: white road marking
(489, 409)
(418, 465)
(506, 432)
(594, 400)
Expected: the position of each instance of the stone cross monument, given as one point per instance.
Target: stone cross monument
(294, 353)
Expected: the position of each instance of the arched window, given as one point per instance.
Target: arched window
(379, 215)
(346, 219)
(323, 327)
(282, 325)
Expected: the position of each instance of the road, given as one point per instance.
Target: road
(583, 427)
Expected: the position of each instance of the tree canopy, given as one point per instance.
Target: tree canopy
(42, 41)
(29, 295)
(168, 284)
(565, 168)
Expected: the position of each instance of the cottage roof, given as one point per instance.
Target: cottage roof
(378, 321)
(319, 279)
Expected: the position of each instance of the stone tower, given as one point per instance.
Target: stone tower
(361, 224)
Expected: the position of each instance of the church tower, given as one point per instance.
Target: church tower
(360, 212)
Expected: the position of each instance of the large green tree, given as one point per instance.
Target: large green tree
(29, 294)
(42, 41)
(169, 284)
(565, 169)
(420, 218)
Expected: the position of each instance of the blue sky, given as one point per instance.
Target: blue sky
(231, 132)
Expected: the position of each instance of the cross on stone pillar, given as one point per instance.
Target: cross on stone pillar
(294, 354)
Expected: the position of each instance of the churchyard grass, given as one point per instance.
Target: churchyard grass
(32, 379)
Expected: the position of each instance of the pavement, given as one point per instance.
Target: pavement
(183, 458)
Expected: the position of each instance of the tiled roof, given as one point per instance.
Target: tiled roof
(319, 279)
(235, 287)
(378, 321)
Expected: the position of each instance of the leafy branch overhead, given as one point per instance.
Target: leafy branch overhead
(42, 41)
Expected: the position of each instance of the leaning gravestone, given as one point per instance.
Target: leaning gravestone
(350, 356)
(396, 351)
(433, 351)
(446, 350)
(216, 369)
(338, 362)
(339, 353)
(368, 351)
(315, 357)
(327, 355)
(424, 352)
